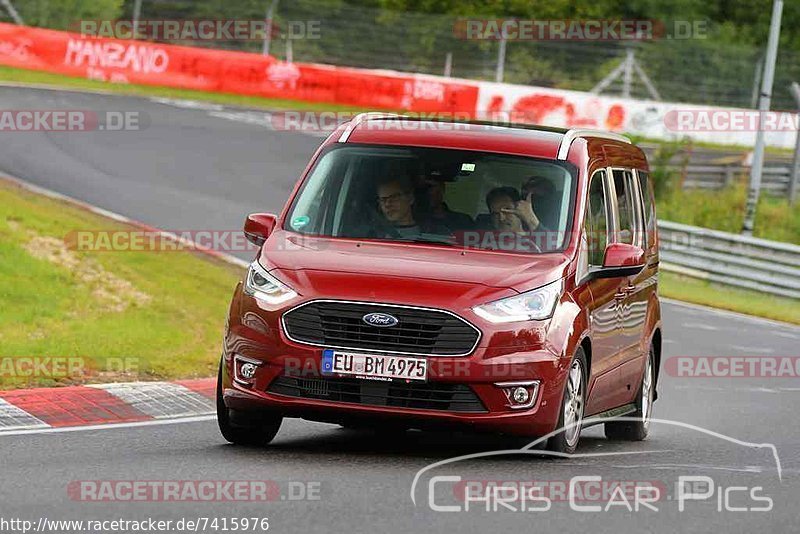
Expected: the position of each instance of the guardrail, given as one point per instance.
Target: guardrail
(774, 179)
(747, 262)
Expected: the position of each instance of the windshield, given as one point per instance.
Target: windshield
(458, 198)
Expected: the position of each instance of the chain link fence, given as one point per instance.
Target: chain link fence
(694, 70)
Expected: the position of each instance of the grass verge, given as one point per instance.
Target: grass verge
(9, 74)
(102, 316)
(745, 301)
(724, 210)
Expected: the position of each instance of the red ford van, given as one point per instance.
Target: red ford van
(428, 274)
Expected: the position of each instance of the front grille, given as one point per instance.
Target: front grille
(419, 395)
(419, 331)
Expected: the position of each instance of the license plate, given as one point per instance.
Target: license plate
(373, 366)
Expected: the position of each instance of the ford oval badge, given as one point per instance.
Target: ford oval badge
(382, 320)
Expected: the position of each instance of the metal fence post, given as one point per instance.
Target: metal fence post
(268, 36)
(448, 65)
(12, 12)
(728, 175)
(793, 177)
(763, 107)
(137, 14)
(501, 60)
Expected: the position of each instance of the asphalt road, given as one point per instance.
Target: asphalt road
(192, 168)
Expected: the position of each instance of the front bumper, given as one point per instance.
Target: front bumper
(255, 335)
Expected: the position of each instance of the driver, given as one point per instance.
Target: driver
(396, 202)
(395, 197)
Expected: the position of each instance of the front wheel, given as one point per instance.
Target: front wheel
(571, 413)
(255, 430)
(637, 428)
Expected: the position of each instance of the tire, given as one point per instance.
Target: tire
(252, 430)
(572, 407)
(639, 429)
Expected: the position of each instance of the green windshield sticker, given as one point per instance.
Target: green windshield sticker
(301, 221)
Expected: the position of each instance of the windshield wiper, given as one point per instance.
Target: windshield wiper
(427, 239)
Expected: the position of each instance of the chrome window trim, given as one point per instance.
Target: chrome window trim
(362, 117)
(577, 133)
(644, 202)
(639, 229)
(374, 351)
(641, 240)
(584, 266)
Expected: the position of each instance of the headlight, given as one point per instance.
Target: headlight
(533, 305)
(263, 286)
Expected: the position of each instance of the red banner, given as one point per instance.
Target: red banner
(141, 62)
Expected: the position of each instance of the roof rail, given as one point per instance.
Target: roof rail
(571, 135)
(362, 117)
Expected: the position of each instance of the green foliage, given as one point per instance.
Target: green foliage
(67, 14)
(664, 164)
(724, 210)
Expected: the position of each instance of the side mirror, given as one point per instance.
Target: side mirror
(621, 260)
(258, 226)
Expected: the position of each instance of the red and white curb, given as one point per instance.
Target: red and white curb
(105, 404)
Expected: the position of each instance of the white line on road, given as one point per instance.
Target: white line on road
(111, 426)
(729, 314)
(752, 350)
(699, 326)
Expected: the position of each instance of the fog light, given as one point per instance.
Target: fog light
(520, 394)
(248, 370)
(244, 370)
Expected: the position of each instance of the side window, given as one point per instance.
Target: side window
(626, 206)
(649, 200)
(597, 220)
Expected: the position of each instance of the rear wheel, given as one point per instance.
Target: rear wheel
(243, 428)
(637, 430)
(572, 406)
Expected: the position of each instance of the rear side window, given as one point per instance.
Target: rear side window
(626, 206)
(597, 220)
(648, 198)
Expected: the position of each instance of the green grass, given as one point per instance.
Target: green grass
(51, 310)
(724, 210)
(687, 289)
(9, 74)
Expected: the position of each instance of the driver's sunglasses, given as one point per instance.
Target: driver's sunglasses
(391, 198)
